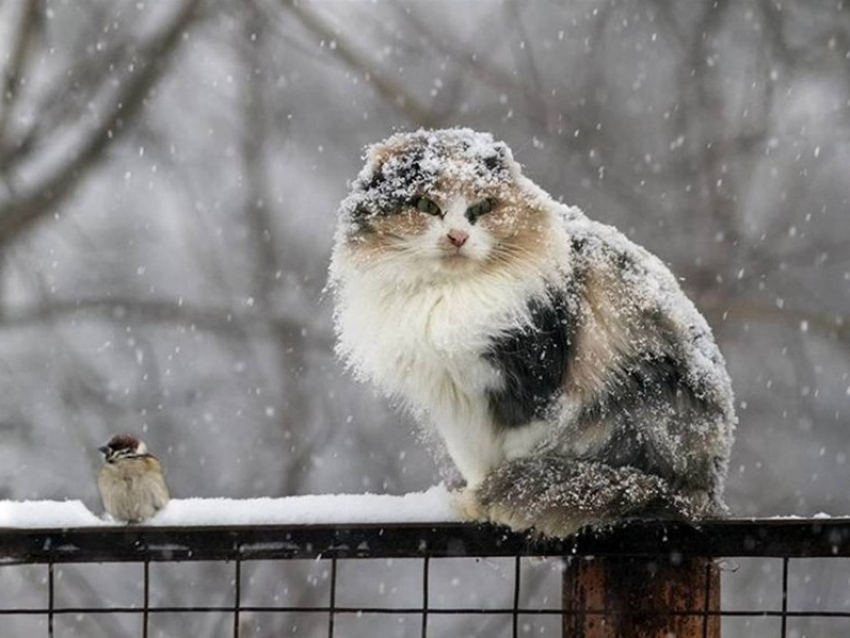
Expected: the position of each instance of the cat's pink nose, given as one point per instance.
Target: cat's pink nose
(458, 237)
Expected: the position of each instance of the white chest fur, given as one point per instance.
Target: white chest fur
(425, 344)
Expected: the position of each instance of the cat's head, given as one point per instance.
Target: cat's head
(439, 204)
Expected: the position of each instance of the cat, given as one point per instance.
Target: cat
(569, 377)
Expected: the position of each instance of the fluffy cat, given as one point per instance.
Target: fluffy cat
(571, 380)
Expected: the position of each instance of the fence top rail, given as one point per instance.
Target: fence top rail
(790, 538)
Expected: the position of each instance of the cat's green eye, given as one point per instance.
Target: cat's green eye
(425, 205)
(481, 208)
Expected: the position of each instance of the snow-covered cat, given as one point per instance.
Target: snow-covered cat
(570, 378)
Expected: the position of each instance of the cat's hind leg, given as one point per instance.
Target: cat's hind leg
(557, 496)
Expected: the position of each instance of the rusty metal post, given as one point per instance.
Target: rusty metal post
(641, 597)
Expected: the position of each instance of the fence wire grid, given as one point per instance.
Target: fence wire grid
(793, 580)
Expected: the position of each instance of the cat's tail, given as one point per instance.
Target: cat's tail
(556, 496)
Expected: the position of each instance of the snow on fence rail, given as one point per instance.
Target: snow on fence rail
(641, 580)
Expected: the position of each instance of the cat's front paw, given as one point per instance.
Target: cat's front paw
(509, 517)
(467, 506)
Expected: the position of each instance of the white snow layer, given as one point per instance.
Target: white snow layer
(431, 506)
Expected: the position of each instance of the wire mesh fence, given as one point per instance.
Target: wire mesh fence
(783, 578)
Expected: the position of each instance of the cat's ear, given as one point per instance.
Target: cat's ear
(377, 154)
(373, 175)
(373, 192)
(504, 152)
(499, 161)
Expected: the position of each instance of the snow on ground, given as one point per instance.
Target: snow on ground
(431, 506)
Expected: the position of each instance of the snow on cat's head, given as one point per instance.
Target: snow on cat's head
(439, 204)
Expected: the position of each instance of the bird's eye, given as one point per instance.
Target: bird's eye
(427, 206)
(481, 208)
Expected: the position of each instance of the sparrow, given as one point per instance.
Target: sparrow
(130, 481)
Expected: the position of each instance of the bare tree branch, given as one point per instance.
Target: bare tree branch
(480, 66)
(57, 108)
(831, 325)
(226, 322)
(258, 210)
(288, 345)
(17, 61)
(532, 89)
(26, 210)
(393, 93)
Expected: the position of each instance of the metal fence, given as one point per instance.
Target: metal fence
(646, 577)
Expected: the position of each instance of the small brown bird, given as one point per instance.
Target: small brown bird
(130, 482)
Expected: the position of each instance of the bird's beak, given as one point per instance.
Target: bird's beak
(104, 449)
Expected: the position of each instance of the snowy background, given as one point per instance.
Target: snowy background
(169, 176)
